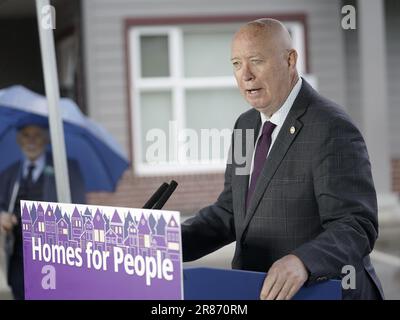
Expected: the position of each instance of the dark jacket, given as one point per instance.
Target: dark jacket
(315, 198)
(11, 175)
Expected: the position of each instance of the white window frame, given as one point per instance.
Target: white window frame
(177, 84)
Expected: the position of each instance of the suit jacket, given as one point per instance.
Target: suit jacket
(11, 175)
(314, 198)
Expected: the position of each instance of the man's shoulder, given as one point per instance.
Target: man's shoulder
(328, 119)
(11, 169)
(247, 118)
(324, 110)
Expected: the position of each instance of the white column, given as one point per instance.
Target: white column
(372, 44)
(50, 76)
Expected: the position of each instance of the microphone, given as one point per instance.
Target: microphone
(152, 201)
(165, 196)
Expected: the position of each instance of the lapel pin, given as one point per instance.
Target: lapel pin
(292, 129)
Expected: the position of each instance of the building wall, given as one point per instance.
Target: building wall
(352, 72)
(396, 175)
(393, 73)
(106, 69)
(353, 90)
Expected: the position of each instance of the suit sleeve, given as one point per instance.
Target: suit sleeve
(6, 184)
(213, 226)
(346, 198)
(77, 183)
(3, 193)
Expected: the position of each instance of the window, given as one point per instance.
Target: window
(184, 98)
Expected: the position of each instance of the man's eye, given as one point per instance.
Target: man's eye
(236, 64)
(256, 61)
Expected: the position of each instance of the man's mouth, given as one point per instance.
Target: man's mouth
(253, 91)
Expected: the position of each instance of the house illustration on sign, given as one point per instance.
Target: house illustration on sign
(143, 237)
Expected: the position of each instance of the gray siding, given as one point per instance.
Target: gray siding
(393, 73)
(103, 23)
(353, 93)
(352, 71)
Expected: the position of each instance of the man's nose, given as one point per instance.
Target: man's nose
(31, 140)
(247, 74)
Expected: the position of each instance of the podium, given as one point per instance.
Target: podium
(221, 284)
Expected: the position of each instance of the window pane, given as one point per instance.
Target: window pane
(213, 109)
(207, 54)
(156, 112)
(154, 56)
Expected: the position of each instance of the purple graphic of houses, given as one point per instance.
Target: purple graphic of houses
(98, 230)
(39, 224)
(173, 241)
(152, 223)
(26, 221)
(111, 240)
(117, 227)
(50, 226)
(62, 233)
(76, 225)
(33, 213)
(87, 235)
(127, 222)
(159, 241)
(143, 237)
(87, 215)
(132, 238)
(57, 213)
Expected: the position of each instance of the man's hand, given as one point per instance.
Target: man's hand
(284, 279)
(7, 221)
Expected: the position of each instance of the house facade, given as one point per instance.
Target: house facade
(139, 65)
(148, 63)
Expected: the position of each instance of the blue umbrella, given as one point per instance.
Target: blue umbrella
(101, 159)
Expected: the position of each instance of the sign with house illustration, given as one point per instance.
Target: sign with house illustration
(76, 251)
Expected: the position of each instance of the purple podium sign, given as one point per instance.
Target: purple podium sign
(77, 252)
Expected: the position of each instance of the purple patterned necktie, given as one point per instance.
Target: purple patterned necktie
(263, 145)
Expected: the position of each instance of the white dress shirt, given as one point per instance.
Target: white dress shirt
(278, 118)
(39, 164)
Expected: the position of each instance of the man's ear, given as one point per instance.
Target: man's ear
(292, 58)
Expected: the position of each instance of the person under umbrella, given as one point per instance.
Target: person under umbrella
(101, 158)
(31, 178)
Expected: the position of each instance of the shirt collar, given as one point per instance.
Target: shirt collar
(278, 118)
(39, 164)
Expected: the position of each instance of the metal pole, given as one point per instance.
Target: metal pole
(43, 11)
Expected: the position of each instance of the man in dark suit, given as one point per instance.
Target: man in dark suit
(30, 179)
(303, 205)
